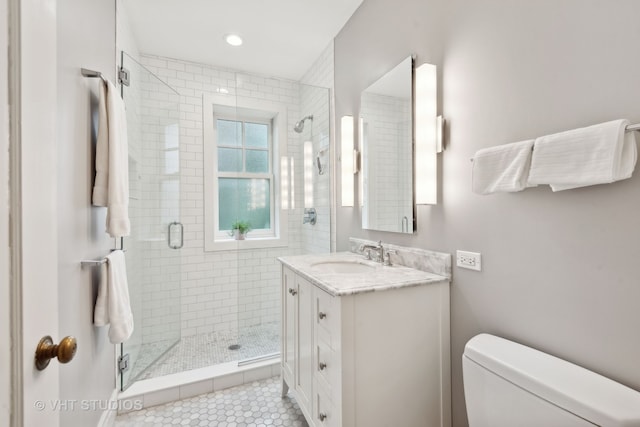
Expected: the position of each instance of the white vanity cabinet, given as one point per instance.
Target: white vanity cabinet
(367, 358)
(297, 338)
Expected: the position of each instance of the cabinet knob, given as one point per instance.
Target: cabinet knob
(321, 366)
(322, 315)
(322, 416)
(292, 291)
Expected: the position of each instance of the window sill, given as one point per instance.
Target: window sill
(249, 243)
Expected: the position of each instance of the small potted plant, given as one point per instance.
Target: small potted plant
(239, 229)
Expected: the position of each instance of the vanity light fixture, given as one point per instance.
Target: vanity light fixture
(347, 159)
(233, 39)
(361, 161)
(426, 132)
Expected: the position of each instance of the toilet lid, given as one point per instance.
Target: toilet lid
(571, 387)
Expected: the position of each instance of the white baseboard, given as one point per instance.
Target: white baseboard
(108, 417)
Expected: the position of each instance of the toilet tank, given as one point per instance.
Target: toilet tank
(507, 384)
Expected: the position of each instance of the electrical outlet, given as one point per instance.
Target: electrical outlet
(470, 260)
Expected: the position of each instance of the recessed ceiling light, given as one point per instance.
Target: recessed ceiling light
(233, 39)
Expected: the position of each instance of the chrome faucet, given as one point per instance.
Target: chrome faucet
(367, 248)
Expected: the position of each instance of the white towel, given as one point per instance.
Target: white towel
(592, 155)
(112, 305)
(503, 168)
(111, 186)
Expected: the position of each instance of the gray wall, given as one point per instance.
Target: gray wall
(559, 269)
(86, 38)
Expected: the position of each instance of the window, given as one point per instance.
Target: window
(244, 178)
(243, 145)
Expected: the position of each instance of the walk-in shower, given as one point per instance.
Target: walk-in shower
(194, 306)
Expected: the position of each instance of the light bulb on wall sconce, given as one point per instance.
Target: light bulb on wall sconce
(426, 134)
(440, 121)
(233, 39)
(347, 160)
(308, 174)
(284, 182)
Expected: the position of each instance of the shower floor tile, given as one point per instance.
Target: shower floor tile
(251, 405)
(199, 351)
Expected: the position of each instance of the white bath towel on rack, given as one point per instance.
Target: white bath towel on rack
(111, 188)
(501, 169)
(598, 154)
(113, 307)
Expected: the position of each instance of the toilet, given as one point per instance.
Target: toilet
(510, 385)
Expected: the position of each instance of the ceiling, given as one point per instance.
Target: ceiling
(282, 38)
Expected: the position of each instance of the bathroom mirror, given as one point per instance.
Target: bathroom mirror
(386, 142)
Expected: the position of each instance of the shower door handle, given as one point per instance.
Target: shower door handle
(181, 235)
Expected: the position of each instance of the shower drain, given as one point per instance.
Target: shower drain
(234, 347)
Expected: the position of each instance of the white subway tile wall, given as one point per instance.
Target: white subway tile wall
(315, 100)
(321, 237)
(224, 291)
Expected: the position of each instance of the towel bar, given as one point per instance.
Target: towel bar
(96, 262)
(630, 128)
(92, 263)
(92, 74)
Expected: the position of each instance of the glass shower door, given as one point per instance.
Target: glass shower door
(301, 176)
(152, 249)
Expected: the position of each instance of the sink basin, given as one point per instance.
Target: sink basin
(343, 267)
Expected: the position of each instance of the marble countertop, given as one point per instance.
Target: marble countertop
(380, 277)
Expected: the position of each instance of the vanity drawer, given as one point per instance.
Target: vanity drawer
(326, 365)
(326, 312)
(324, 413)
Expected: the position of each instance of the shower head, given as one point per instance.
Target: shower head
(299, 127)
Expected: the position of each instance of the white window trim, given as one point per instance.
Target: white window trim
(277, 113)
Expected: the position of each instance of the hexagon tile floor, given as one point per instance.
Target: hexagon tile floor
(251, 405)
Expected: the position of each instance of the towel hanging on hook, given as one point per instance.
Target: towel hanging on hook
(111, 186)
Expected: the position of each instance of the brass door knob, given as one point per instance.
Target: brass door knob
(47, 350)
